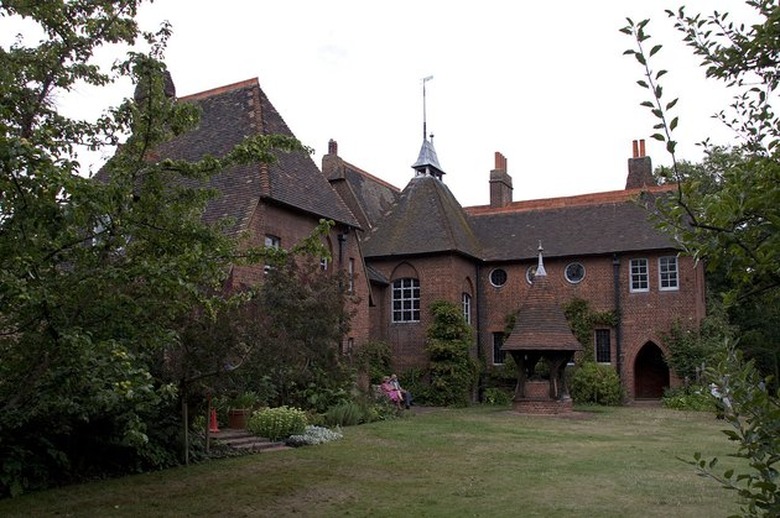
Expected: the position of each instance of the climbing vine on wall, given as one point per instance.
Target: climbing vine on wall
(583, 320)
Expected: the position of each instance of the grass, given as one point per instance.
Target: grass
(619, 462)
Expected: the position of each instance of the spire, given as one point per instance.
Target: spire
(427, 163)
(540, 271)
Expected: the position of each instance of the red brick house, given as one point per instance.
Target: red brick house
(598, 247)
(404, 249)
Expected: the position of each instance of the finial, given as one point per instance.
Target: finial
(540, 271)
(425, 131)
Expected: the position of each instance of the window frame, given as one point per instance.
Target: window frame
(495, 271)
(465, 300)
(498, 354)
(638, 275)
(666, 272)
(399, 290)
(598, 347)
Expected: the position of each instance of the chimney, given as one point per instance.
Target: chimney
(332, 165)
(640, 168)
(500, 183)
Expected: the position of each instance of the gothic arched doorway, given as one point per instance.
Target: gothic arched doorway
(651, 374)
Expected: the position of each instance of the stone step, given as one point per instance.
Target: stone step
(244, 441)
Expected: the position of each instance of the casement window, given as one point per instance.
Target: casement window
(499, 356)
(603, 346)
(406, 300)
(273, 241)
(466, 301)
(324, 264)
(639, 276)
(668, 273)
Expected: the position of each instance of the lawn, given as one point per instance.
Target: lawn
(478, 461)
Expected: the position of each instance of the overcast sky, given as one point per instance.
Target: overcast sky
(545, 83)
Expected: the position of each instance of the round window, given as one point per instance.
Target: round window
(498, 277)
(530, 273)
(575, 272)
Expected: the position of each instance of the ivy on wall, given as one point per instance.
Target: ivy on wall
(583, 321)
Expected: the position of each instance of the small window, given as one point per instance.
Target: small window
(530, 273)
(324, 264)
(273, 241)
(639, 280)
(499, 356)
(498, 277)
(603, 346)
(406, 300)
(574, 272)
(668, 273)
(466, 301)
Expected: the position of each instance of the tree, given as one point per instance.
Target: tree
(733, 222)
(96, 276)
(453, 372)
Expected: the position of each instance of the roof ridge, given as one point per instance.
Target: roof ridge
(221, 89)
(578, 200)
(363, 172)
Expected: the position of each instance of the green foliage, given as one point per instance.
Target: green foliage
(584, 320)
(277, 423)
(347, 413)
(753, 413)
(691, 349)
(374, 358)
(453, 372)
(497, 397)
(595, 383)
(727, 213)
(691, 397)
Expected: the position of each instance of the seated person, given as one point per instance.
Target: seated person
(405, 395)
(389, 390)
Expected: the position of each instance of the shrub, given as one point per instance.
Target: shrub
(694, 397)
(347, 413)
(497, 397)
(594, 383)
(374, 357)
(277, 423)
(314, 435)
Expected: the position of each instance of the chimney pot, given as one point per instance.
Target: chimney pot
(333, 147)
(642, 148)
(635, 149)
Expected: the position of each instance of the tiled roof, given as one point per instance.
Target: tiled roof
(426, 219)
(540, 324)
(374, 196)
(600, 223)
(228, 115)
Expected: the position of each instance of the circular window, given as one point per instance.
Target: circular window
(530, 273)
(498, 277)
(575, 272)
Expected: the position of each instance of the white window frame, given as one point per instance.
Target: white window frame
(273, 241)
(668, 278)
(466, 304)
(351, 275)
(405, 300)
(632, 276)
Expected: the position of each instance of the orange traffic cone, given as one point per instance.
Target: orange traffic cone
(213, 427)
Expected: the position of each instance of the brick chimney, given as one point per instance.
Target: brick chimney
(640, 168)
(332, 164)
(500, 183)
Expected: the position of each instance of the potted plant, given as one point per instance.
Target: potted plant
(240, 408)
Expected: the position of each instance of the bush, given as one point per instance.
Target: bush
(277, 423)
(347, 413)
(497, 397)
(314, 435)
(695, 397)
(594, 383)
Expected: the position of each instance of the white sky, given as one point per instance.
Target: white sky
(545, 83)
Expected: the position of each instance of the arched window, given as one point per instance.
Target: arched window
(466, 301)
(406, 300)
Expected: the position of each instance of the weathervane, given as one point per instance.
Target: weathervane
(425, 129)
